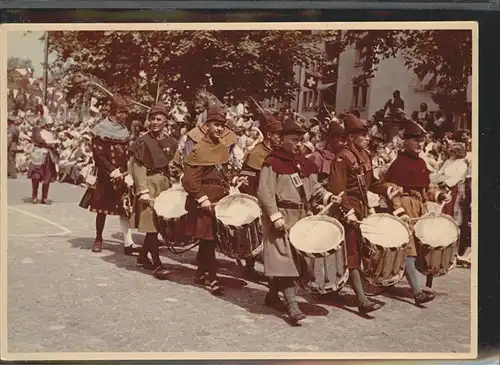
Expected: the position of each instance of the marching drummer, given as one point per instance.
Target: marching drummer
(323, 158)
(110, 144)
(151, 154)
(288, 187)
(352, 172)
(410, 172)
(206, 182)
(252, 163)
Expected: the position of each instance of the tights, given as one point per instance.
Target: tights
(34, 189)
(151, 245)
(357, 285)
(205, 258)
(411, 275)
(100, 220)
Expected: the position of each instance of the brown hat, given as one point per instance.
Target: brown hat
(413, 130)
(118, 104)
(292, 127)
(216, 114)
(268, 123)
(159, 108)
(353, 124)
(335, 130)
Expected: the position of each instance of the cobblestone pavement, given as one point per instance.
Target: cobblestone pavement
(64, 298)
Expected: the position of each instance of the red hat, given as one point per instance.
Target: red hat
(353, 124)
(216, 114)
(413, 130)
(268, 123)
(292, 127)
(118, 104)
(335, 130)
(159, 108)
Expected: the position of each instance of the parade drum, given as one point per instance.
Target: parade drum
(383, 254)
(320, 240)
(170, 216)
(239, 229)
(437, 239)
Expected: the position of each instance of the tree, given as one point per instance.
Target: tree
(446, 53)
(139, 63)
(17, 62)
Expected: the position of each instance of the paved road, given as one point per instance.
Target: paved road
(63, 297)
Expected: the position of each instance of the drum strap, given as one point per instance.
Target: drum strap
(299, 186)
(222, 174)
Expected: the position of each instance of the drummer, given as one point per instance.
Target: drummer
(288, 187)
(206, 182)
(323, 158)
(352, 172)
(410, 172)
(271, 128)
(150, 157)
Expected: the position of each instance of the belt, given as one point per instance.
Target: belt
(290, 205)
(163, 172)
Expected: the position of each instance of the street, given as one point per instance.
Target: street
(64, 298)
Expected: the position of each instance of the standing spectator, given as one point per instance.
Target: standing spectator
(392, 105)
(12, 142)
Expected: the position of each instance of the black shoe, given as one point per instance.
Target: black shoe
(215, 287)
(424, 297)
(130, 250)
(368, 307)
(161, 273)
(200, 278)
(273, 301)
(294, 312)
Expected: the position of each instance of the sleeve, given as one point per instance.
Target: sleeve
(139, 175)
(99, 153)
(191, 182)
(337, 183)
(188, 147)
(266, 193)
(433, 192)
(319, 194)
(252, 176)
(459, 172)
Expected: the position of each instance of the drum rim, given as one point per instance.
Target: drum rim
(170, 190)
(323, 218)
(436, 215)
(238, 195)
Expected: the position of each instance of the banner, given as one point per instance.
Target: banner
(311, 81)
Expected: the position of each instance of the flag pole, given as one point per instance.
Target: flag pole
(45, 67)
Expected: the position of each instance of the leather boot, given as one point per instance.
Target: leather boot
(292, 306)
(424, 297)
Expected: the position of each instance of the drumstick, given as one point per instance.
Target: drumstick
(327, 208)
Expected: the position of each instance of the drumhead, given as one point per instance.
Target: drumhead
(316, 234)
(385, 230)
(237, 209)
(171, 203)
(437, 230)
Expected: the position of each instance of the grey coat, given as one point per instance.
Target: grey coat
(277, 254)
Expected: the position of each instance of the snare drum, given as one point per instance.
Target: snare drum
(320, 240)
(239, 229)
(170, 216)
(383, 253)
(437, 238)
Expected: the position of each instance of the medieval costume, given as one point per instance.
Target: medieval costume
(110, 145)
(205, 180)
(288, 187)
(12, 146)
(352, 173)
(410, 172)
(149, 167)
(44, 159)
(323, 158)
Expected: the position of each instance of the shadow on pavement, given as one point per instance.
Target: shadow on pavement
(236, 290)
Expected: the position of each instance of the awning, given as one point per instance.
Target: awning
(322, 87)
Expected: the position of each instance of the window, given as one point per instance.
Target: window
(359, 96)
